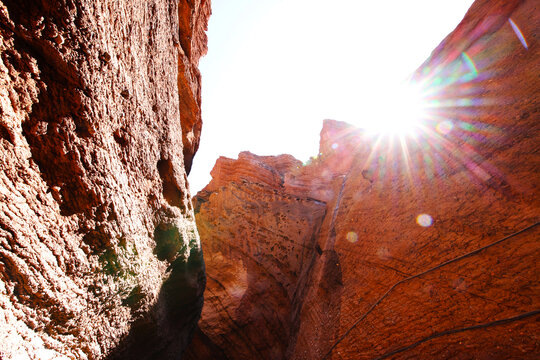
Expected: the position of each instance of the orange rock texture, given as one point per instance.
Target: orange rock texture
(421, 246)
(99, 121)
(260, 246)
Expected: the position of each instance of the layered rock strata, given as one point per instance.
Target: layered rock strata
(99, 121)
(421, 246)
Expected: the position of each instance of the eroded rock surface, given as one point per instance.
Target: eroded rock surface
(420, 247)
(100, 118)
(260, 246)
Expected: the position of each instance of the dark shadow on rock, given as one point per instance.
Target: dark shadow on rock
(203, 348)
(166, 330)
(329, 297)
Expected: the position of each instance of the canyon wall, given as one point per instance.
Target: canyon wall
(100, 119)
(421, 246)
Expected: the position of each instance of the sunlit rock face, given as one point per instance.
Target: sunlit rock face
(99, 119)
(421, 246)
(260, 245)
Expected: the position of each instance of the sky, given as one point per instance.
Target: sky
(275, 69)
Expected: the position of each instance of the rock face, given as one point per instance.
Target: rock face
(388, 247)
(260, 246)
(99, 122)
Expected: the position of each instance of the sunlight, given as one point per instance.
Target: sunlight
(431, 128)
(267, 88)
(398, 111)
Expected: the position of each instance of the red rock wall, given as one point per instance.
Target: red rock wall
(99, 120)
(378, 284)
(260, 246)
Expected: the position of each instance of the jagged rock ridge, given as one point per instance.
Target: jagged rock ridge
(425, 248)
(100, 119)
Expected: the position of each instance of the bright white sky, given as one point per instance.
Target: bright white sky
(276, 68)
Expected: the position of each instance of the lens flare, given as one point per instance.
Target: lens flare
(352, 237)
(424, 220)
(435, 127)
(444, 127)
(472, 67)
(519, 34)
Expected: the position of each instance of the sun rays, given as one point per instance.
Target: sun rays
(435, 125)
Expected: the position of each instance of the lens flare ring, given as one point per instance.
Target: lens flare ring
(424, 220)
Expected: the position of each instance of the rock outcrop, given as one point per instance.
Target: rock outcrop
(392, 247)
(99, 122)
(260, 246)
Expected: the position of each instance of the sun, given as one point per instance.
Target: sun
(395, 110)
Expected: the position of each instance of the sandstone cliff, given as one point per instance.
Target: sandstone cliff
(99, 122)
(419, 247)
(259, 247)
